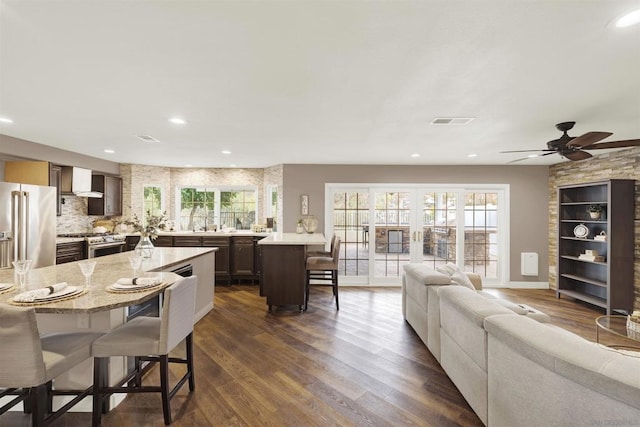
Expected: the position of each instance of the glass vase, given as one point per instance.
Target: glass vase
(145, 247)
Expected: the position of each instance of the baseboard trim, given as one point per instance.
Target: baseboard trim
(527, 285)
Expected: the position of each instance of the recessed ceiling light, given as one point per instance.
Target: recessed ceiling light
(177, 121)
(109, 151)
(232, 166)
(415, 155)
(226, 152)
(629, 19)
(533, 155)
(472, 155)
(5, 120)
(188, 166)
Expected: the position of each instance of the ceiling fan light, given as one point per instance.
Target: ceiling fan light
(629, 19)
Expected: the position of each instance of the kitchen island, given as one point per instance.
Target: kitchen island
(283, 276)
(101, 311)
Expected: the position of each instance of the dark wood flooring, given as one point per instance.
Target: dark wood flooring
(360, 366)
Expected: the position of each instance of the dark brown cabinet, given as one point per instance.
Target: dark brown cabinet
(595, 255)
(164, 242)
(187, 241)
(131, 242)
(283, 278)
(111, 202)
(242, 256)
(70, 251)
(222, 256)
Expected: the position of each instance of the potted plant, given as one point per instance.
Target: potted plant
(595, 211)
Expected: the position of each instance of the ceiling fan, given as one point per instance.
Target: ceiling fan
(573, 147)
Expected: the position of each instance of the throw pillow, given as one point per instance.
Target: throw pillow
(448, 269)
(461, 279)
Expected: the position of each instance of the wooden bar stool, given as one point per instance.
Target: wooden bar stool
(31, 362)
(149, 339)
(324, 253)
(323, 269)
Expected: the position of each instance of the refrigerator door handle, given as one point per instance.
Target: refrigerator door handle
(15, 222)
(24, 226)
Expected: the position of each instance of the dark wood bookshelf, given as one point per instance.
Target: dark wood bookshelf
(609, 283)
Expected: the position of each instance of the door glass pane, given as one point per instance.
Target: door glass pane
(392, 233)
(351, 224)
(438, 228)
(481, 233)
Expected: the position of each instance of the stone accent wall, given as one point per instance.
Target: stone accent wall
(621, 164)
(135, 177)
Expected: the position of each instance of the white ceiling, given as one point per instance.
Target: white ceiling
(315, 81)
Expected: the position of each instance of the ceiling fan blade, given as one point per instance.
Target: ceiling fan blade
(517, 160)
(527, 151)
(577, 155)
(613, 144)
(588, 139)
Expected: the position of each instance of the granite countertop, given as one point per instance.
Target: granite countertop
(178, 233)
(69, 239)
(294, 239)
(211, 233)
(108, 270)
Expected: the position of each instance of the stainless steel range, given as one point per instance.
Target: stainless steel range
(101, 244)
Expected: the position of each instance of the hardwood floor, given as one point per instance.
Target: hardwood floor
(362, 365)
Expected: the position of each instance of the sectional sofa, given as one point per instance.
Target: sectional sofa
(512, 365)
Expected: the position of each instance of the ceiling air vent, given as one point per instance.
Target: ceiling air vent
(147, 138)
(452, 120)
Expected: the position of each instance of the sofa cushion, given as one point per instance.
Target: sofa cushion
(425, 275)
(571, 356)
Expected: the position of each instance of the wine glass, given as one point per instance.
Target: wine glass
(136, 262)
(22, 268)
(87, 268)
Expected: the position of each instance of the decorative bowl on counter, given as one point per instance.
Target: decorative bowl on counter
(310, 224)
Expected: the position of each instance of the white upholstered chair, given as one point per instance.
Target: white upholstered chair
(323, 269)
(149, 339)
(31, 362)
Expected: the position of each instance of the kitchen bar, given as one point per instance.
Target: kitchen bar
(101, 311)
(284, 267)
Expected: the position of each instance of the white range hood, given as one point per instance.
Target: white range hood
(77, 181)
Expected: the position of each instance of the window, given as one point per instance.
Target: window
(152, 200)
(201, 208)
(481, 233)
(351, 224)
(238, 209)
(197, 208)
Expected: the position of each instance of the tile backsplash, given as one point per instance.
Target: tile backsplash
(74, 218)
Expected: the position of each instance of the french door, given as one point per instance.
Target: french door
(385, 228)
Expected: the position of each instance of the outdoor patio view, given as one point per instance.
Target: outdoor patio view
(401, 233)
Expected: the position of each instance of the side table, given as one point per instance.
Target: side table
(617, 325)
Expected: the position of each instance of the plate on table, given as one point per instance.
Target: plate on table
(116, 287)
(67, 292)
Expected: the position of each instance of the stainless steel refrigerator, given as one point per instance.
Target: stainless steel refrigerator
(27, 224)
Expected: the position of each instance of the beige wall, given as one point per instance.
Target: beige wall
(528, 196)
(623, 164)
(30, 150)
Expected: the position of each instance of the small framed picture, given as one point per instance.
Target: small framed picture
(304, 204)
